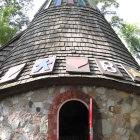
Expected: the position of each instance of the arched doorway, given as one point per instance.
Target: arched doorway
(73, 121)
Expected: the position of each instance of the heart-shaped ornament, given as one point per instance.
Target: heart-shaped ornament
(77, 62)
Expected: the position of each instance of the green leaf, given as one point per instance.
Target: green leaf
(131, 34)
(12, 17)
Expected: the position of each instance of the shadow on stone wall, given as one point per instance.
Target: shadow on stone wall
(97, 122)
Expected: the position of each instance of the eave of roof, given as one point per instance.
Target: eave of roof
(64, 81)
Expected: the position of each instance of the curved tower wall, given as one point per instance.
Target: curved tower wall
(34, 115)
(31, 101)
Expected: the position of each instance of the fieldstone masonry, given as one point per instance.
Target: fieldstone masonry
(67, 31)
(25, 116)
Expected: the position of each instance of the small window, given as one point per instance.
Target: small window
(82, 3)
(70, 2)
(57, 2)
(48, 4)
(92, 4)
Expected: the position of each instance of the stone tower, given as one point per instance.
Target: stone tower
(68, 77)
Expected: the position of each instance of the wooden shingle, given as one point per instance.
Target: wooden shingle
(66, 31)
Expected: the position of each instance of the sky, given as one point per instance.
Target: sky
(129, 10)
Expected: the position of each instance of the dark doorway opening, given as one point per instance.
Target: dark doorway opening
(73, 121)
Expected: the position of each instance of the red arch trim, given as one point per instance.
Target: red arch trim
(57, 104)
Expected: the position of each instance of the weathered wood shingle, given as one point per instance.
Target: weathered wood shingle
(67, 31)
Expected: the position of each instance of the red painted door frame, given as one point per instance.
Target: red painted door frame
(90, 120)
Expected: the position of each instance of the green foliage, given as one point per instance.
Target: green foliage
(107, 8)
(131, 34)
(116, 21)
(12, 17)
(106, 5)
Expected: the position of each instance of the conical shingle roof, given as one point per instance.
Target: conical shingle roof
(67, 30)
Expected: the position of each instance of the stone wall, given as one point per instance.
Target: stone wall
(26, 116)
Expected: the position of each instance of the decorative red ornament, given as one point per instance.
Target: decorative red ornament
(77, 62)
